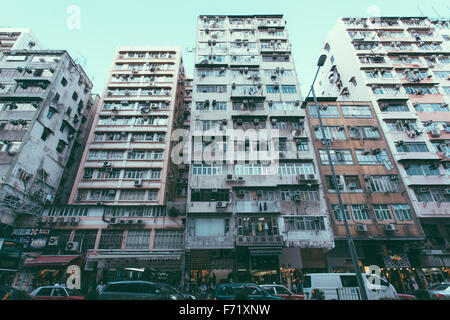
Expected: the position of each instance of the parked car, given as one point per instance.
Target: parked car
(404, 296)
(243, 291)
(56, 293)
(10, 293)
(344, 286)
(440, 290)
(186, 296)
(281, 291)
(138, 290)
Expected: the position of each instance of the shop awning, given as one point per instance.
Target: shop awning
(50, 261)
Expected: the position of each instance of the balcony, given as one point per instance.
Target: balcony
(246, 92)
(265, 241)
(209, 207)
(257, 207)
(216, 242)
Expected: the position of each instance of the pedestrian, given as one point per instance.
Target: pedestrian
(203, 291)
(100, 287)
(294, 287)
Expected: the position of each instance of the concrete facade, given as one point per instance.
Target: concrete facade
(45, 98)
(243, 220)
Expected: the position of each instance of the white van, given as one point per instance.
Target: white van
(344, 286)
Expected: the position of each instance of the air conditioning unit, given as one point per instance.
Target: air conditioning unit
(74, 220)
(53, 242)
(389, 227)
(51, 220)
(140, 222)
(113, 220)
(301, 178)
(259, 193)
(138, 183)
(435, 133)
(222, 204)
(242, 193)
(298, 199)
(240, 178)
(311, 177)
(352, 186)
(361, 228)
(72, 246)
(63, 220)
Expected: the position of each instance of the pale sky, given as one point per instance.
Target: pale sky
(104, 25)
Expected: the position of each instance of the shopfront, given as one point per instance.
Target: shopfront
(435, 266)
(209, 267)
(45, 270)
(148, 267)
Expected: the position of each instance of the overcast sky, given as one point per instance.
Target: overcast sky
(104, 25)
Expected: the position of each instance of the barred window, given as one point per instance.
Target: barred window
(382, 212)
(168, 239)
(138, 239)
(110, 239)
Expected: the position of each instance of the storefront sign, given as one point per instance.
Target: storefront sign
(32, 239)
(397, 261)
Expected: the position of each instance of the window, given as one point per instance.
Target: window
(335, 133)
(416, 90)
(138, 239)
(372, 157)
(289, 89)
(86, 238)
(382, 212)
(383, 183)
(304, 224)
(45, 133)
(168, 239)
(402, 212)
(208, 195)
(356, 112)
(361, 212)
(429, 194)
(257, 226)
(102, 194)
(431, 107)
(110, 239)
(273, 89)
(327, 111)
(132, 195)
(339, 157)
(414, 169)
(337, 212)
(64, 81)
(412, 147)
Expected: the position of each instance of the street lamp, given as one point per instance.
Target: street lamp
(351, 245)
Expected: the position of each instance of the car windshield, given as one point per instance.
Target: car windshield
(282, 290)
(440, 286)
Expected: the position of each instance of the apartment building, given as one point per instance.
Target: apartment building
(183, 166)
(18, 39)
(122, 220)
(379, 213)
(46, 99)
(256, 209)
(401, 66)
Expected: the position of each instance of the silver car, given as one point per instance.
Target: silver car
(440, 290)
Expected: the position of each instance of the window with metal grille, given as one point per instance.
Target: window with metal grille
(111, 239)
(168, 239)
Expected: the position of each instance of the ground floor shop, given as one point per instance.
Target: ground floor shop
(45, 270)
(158, 267)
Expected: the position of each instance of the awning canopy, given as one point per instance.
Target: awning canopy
(50, 261)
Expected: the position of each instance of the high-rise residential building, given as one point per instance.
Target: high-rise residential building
(401, 66)
(18, 39)
(123, 215)
(256, 208)
(379, 213)
(46, 99)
